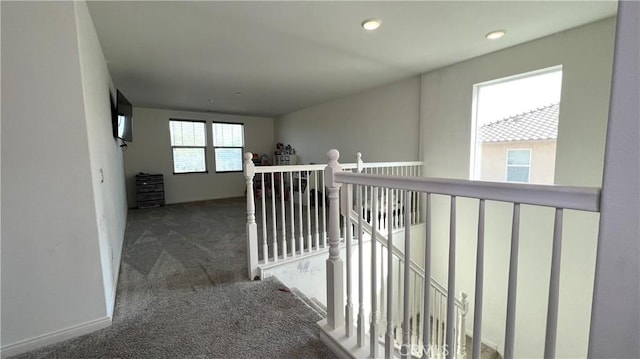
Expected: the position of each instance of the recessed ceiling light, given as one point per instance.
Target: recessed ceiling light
(496, 34)
(371, 24)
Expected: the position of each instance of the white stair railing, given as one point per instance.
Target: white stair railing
(339, 339)
(289, 221)
(436, 303)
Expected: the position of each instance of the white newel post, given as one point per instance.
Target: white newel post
(461, 347)
(252, 227)
(335, 295)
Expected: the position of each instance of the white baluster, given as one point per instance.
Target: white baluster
(301, 229)
(477, 315)
(335, 295)
(393, 194)
(284, 217)
(439, 325)
(382, 309)
(360, 321)
(367, 204)
(414, 289)
(316, 206)
(389, 339)
(376, 171)
(554, 288)
(414, 312)
(421, 313)
(401, 206)
(418, 310)
(450, 347)
(373, 330)
(265, 246)
(513, 283)
(399, 300)
(324, 213)
(427, 327)
(293, 217)
(461, 350)
(309, 237)
(348, 241)
(395, 216)
(419, 199)
(252, 227)
(406, 329)
(386, 219)
(451, 282)
(274, 243)
(413, 198)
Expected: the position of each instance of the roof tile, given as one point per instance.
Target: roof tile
(535, 125)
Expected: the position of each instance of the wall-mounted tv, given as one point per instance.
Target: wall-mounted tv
(122, 118)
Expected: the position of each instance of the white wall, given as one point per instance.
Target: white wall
(52, 280)
(107, 163)
(616, 308)
(382, 123)
(150, 152)
(586, 56)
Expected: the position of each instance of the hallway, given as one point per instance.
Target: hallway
(182, 292)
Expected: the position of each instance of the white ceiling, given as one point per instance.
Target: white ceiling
(285, 56)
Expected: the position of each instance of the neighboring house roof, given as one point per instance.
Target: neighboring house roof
(535, 125)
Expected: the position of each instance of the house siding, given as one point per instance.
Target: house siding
(543, 157)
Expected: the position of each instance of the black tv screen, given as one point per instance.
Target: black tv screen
(122, 119)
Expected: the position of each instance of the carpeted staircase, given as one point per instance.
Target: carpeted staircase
(486, 352)
(313, 303)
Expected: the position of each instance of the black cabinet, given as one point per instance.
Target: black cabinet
(150, 190)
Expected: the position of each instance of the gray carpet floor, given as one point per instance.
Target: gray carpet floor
(182, 293)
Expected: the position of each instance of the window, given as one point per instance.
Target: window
(512, 118)
(188, 142)
(228, 142)
(518, 166)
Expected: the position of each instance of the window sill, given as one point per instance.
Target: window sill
(189, 173)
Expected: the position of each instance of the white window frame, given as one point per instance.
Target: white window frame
(475, 153)
(507, 165)
(203, 147)
(215, 148)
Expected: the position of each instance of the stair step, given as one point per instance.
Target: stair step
(486, 351)
(316, 306)
(321, 307)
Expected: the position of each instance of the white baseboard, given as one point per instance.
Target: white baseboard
(112, 300)
(112, 304)
(54, 337)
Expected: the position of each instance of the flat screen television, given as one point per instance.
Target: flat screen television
(122, 118)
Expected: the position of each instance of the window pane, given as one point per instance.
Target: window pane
(187, 133)
(518, 112)
(228, 159)
(518, 157)
(518, 174)
(228, 135)
(188, 160)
